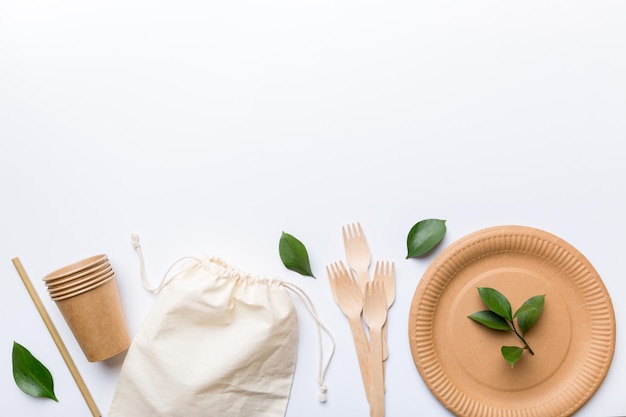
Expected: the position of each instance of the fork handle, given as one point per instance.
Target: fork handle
(363, 276)
(362, 352)
(385, 345)
(377, 384)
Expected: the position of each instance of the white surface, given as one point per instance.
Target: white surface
(210, 127)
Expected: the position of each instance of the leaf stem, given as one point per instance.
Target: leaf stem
(526, 345)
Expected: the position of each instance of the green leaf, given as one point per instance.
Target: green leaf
(294, 255)
(529, 312)
(496, 302)
(511, 354)
(30, 375)
(424, 236)
(490, 319)
(525, 309)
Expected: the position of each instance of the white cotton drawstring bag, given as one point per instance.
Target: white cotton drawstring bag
(217, 342)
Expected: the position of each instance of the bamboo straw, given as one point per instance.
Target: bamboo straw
(57, 339)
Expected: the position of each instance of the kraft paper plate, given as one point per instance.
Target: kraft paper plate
(460, 360)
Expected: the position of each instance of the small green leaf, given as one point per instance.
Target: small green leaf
(525, 309)
(490, 319)
(529, 312)
(30, 375)
(424, 236)
(294, 255)
(511, 354)
(496, 302)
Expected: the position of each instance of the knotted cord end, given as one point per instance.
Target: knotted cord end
(322, 395)
(134, 238)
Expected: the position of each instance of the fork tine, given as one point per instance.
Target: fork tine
(385, 271)
(332, 280)
(338, 270)
(379, 271)
(352, 231)
(392, 276)
(336, 279)
(333, 270)
(359, 230)
(344, 232)
(347, 232)
(344, 275)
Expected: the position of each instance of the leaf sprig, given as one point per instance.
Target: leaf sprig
(499, 316)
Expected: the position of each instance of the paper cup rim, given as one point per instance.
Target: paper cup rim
(54, 292)
(68, 281)
(82, 291)
(76, 267)
(95, 269)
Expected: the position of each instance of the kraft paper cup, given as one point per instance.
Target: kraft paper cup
(76, 267)
(96, 318)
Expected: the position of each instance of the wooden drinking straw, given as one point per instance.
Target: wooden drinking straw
(57, 339)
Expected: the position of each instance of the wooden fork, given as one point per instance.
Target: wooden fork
(348, 296)
(375, 315)
(358, 253)
(385, 272)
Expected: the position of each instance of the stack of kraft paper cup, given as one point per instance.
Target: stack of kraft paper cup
(86, 294)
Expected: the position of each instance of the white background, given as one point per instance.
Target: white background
(210, 127)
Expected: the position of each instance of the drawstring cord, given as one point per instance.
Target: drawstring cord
(320, 326)
(322, 367)
(142, 268)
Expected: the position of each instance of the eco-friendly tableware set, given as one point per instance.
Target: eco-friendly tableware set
(574, 341)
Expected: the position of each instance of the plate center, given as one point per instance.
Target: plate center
(476, 348)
